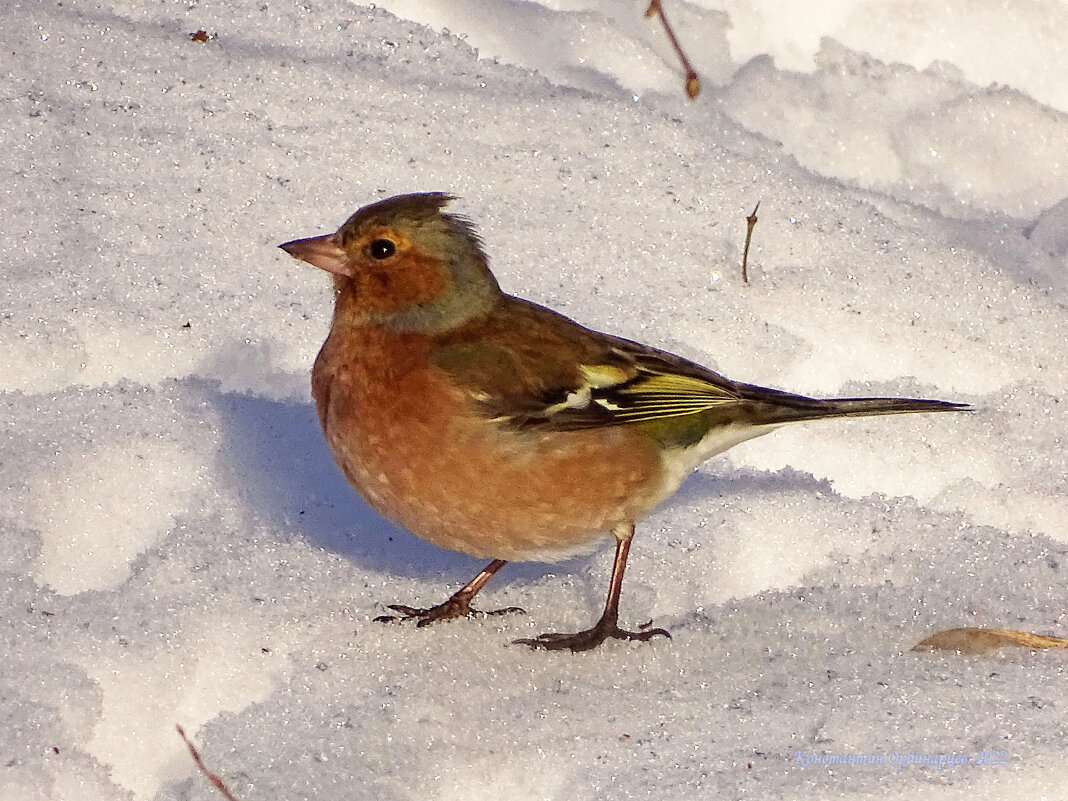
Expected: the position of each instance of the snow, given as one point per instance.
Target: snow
(178, 547)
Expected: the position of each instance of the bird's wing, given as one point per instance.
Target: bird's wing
(533, 368)
(526, 367)
(632, 384)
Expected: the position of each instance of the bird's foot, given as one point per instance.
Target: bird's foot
(591, 638)
(452, 608)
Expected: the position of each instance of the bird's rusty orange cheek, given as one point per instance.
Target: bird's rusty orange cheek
(407, 283)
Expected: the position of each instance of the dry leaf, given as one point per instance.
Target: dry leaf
(983, 641)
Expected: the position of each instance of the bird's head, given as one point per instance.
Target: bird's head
(404, 263)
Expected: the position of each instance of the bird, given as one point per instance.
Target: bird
(490, 425)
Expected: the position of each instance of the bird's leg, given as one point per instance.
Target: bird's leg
(606, 627)
(459, 605)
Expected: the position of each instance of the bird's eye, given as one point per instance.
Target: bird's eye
(382, 249)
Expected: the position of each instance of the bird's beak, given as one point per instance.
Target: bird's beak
(323, 252)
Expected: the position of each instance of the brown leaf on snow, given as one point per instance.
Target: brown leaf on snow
(982, 641)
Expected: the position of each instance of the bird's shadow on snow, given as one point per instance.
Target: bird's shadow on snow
(278, 461)
(741, 483)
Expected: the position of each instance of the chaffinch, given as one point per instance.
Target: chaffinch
(493, 426)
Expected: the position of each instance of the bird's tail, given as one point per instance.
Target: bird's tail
(769, 407)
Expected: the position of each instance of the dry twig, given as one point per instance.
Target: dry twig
(693, 83)
(214, 779)
(750, 224)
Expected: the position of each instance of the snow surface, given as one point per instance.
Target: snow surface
(178, 546)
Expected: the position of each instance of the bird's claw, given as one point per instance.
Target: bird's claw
(451, 609)
(590, 638)
(506, 611)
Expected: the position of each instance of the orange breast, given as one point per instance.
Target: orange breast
(415, 448)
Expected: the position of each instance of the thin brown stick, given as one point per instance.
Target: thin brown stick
(215, 780)
(750, 224)
(693, 83)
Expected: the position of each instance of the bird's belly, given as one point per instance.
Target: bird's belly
(678, 463)
(470, 485)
